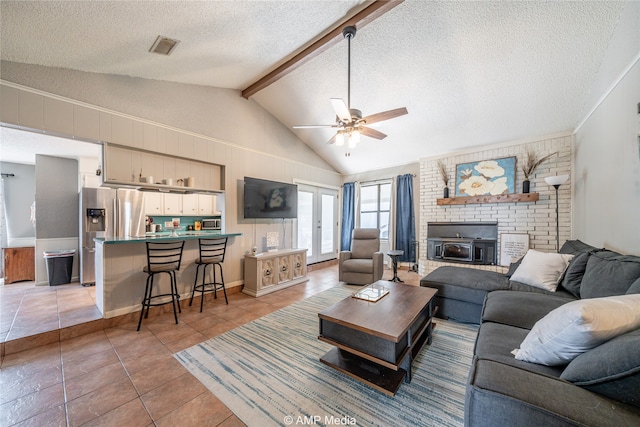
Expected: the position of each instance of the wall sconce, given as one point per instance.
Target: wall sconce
(556, 181)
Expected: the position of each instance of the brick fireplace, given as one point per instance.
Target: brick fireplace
(537, 219)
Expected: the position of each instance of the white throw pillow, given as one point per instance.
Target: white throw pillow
(541, 269)
(578, 326)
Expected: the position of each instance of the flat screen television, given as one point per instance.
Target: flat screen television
(269, 199)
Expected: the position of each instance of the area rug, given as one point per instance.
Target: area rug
(268, 372)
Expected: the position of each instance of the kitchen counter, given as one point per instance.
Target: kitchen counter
(120, 279)
(165, 236)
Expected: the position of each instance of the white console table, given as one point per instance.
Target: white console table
(271, 271)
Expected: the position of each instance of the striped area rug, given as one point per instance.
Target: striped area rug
(268, 373)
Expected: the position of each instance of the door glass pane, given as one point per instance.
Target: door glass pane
(305, 221)
(327, 207)
(369, 198)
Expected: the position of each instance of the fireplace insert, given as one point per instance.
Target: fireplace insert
(449, 242)
(467, 250)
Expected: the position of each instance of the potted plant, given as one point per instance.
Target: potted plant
(442, 168)
(529, 166)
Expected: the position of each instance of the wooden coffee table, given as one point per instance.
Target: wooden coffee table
(376, 342)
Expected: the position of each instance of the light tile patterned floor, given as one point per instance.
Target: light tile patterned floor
(118, 376)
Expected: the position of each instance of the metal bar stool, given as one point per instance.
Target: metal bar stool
(162, 257)
(211, 253)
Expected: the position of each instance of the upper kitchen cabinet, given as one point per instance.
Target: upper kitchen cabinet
(130, 166)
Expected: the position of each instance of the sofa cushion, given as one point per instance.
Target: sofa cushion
(574, 247)
(577, 327)
(608, 274)
(465, 284)
(521, 287)
(514, 266)
(574, 274)
(503, 395)
(611, 369)
(520, 309)
(495, 342)
(542, 269)
(635, 287)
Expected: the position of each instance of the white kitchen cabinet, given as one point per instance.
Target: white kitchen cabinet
(206, 204)
(119, 165)
(153, 204)
(58, 116)
(172, 204)
(271, 271)
(190, 204)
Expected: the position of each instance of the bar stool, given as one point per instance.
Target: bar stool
(162, 257)
(211, 253)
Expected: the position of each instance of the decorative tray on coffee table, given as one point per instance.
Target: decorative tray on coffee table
(371, 293)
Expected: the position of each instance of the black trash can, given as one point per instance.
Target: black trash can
(59, 266)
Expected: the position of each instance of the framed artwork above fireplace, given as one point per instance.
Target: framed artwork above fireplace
(486, 177)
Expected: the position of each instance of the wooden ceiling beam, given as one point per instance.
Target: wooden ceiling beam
(321, 43)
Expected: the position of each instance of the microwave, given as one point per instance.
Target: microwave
(211, 224)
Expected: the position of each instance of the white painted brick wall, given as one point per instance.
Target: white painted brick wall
(538, 219)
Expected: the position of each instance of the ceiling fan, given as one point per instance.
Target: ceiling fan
(349, 121)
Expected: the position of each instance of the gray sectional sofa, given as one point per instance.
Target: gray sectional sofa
(600, 387)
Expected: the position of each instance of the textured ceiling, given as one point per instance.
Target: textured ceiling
(470, 73)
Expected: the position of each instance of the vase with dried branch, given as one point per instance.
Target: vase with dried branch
(530, 164)
(442, 169)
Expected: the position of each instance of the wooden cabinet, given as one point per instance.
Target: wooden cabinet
(271, 271)
(19, 264)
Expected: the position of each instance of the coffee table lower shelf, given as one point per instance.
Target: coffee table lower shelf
(381, 378)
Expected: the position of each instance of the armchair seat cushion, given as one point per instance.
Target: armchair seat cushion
(358, 266)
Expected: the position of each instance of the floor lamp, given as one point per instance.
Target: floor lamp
(556, 181)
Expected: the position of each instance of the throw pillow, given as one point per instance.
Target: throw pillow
(578, 326)
(573, 276)
(608, 275)
(541, 270)
(611, 369)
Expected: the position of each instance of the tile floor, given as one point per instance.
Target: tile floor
(118, 376)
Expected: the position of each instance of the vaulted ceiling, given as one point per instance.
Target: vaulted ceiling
(469, 73)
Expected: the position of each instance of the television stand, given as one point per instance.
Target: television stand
(274, 270)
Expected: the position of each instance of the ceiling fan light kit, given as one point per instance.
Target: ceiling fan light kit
(349, 121)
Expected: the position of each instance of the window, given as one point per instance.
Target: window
(375, 207)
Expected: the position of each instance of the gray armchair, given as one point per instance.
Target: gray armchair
(363, 264)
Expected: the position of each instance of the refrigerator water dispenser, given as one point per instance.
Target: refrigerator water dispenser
(95, 219)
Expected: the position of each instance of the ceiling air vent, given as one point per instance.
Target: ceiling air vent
(164, 45)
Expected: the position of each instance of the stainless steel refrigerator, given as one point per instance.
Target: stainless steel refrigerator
(107, 212)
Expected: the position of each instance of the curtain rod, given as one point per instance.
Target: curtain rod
(385, 179)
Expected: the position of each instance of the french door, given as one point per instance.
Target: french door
(318, 222)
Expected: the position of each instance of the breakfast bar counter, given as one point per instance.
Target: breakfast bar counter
(120, 281)
(166, 236)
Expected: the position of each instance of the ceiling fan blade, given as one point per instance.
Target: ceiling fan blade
(371, 132)
(333, 139)
(313, 126)
(385, 115)
(341, 109)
